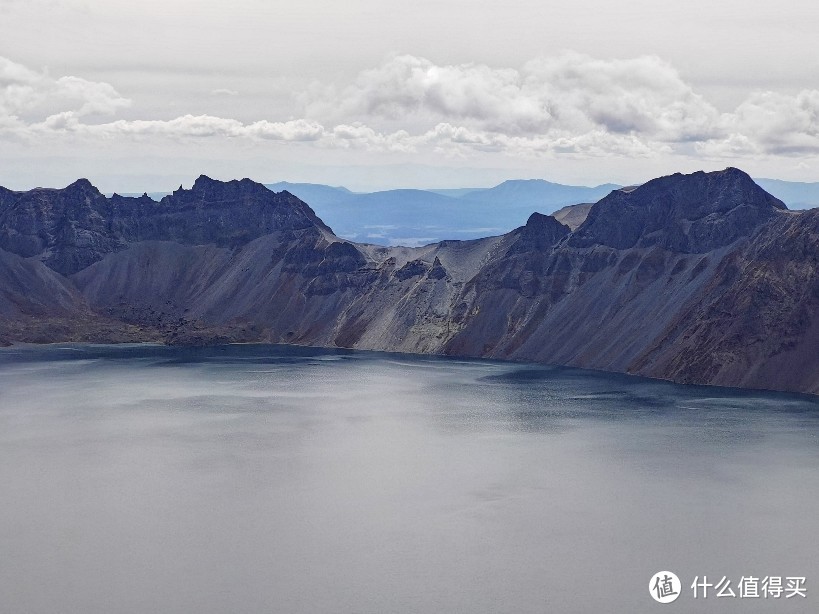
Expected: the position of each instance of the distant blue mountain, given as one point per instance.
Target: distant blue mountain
(793, 193)
(416, 217)
(537, 194)
(314, 194)
(404, 217)
(456, 192)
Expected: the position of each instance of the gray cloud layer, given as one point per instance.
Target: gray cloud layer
(564, 105)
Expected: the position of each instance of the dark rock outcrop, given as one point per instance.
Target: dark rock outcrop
(693, 213)
(67, 229)
(72, 228)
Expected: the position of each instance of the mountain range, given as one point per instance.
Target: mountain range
(416, 217)
(701, 278)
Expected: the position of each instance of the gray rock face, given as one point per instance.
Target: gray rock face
(756, 321)
(67, 229)
(219, 213)
(698, 278)
(573, 215)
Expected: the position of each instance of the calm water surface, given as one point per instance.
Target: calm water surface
(255, 479)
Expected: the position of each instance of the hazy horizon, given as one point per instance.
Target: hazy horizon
(376, 95)
(108, 189)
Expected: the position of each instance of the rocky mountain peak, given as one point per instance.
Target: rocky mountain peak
(81, 185)
(691, 213)
(203, 182)
(211, 190)
(541, 233)
(541, 222)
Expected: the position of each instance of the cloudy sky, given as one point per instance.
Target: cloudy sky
(384, 93)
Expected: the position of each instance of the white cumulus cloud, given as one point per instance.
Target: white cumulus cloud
(32, 95)
(780, 123)
(569, 93)
(568, 105)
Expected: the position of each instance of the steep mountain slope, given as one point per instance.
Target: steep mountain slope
(39, 305)
(700, 278)
(755, 323)
(606, 292)
(573, 215)
(31, 288)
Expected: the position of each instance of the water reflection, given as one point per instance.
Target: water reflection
(269, 479)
